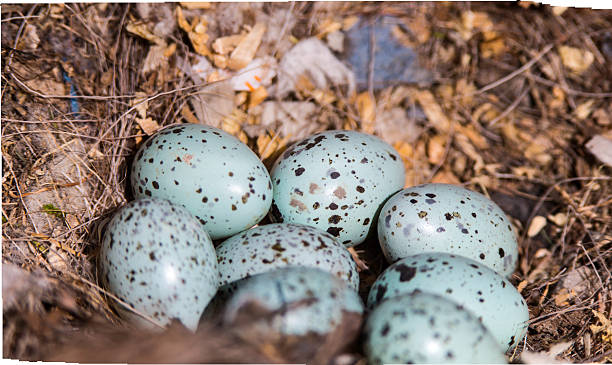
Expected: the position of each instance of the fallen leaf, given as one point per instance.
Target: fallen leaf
(30, 38)
(436, 149)
(195, 5)
(268, 144)
(537, 224)
(575, 59)
(563, 296)
(433, 111)
(558, 219)
(220, 61)
(142, 30)
(140, 104)
(224, 45)
(245, 50)
(601, 147)
(602, 117)
(366, 106)
(148, 125)
(289, 118)
(257, 96)
(313, 58)
(583, 110)
(327, 26)
(605, 327)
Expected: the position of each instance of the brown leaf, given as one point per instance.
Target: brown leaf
(433, 111)
(245, 51)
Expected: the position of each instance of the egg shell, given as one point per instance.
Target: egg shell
(336, 181)
(210, 172)
(447, 218)
(306, 301)
(157, 257)
(423, 328)
(277, 245)
(488, 295)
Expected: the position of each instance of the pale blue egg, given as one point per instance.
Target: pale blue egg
(447, 218)
(156, 257)
(278, 245)
(303, 300)
(209, 172)
(488, 295)
(422, 328)
(336, 181)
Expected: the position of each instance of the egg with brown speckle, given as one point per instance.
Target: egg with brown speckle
(273, 246)
(488, 295)
(336, 181)
(447, 218)
(209, 172)
(156, 257)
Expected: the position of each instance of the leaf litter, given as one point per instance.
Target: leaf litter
(516, 105)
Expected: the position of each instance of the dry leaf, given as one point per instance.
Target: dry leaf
(312, 57)
(30, 38)
(220, 61)
(537, 224)
(558, 219)
(140, 104)
(142, 30)
(575, 59)
(436, 149)
(583, 110)
(267, 145)
(195, 5)
(602, 117)
(433, 111)
(245, 50)
(367, 111)
(329, 25)
(257, 96)
(472, 21)
(605, 327)
(493, 45)
(601, 147)
(156, 57)
(224, 45)
(148, 125)
(562, 298)
(558, 100)
(347, 23)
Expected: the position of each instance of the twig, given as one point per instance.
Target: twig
(517, 72)
(510, 108)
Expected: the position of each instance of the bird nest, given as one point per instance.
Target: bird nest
(515, 104)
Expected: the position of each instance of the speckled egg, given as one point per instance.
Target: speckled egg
(277, 245)
(423, 328)
(447, 218)
(336, 181)
(157, 257)
(306, 301)
(488, 295)
(211, 173)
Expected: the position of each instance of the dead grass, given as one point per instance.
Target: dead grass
(517, 93)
